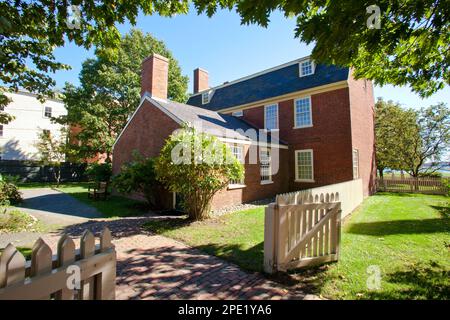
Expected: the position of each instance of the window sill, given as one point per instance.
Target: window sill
(267, 182)
(302, 127)
(300, 180)
(236, 186)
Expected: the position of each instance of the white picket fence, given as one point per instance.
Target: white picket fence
(350, 194)
(54, 277)
(301, 231)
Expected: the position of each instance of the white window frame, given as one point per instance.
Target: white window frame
(265, 112)
(239, 113)
(300, 66)
(296, 126)
(356, 173)
(270, 180)
(45, 111)
(297, 178)
(205, 97)
(237, 184)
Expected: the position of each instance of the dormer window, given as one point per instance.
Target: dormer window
(306, 68)
(205, 97)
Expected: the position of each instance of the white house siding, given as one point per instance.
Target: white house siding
(21, 134)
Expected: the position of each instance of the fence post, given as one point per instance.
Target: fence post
(270, 237)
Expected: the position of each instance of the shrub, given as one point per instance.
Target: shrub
(99, 172)
(140, 176)
(16, 221)
(197, 165)
(9, 193)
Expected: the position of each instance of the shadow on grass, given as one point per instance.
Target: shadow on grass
(384, 228)
(443, 210)
(250, 259)
(421, 281)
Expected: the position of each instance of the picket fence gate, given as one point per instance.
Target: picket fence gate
(301, 230)
(55, 277)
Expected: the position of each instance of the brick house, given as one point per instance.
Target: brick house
(320, 119)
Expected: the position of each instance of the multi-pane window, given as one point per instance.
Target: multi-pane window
(1, 130)
(306, 68)
(265, 165)
(355, 164)
(271, 117)
(205, 97)
(48, 112)
(304, 165)
(239, 113)
(238, 152)
(303, 115)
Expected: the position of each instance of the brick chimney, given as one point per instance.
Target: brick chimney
(154, 77)
(200, 80)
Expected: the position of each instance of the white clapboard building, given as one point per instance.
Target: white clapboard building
(18, 138)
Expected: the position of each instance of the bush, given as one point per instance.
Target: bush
(197, 165)
(16, 221)
(9, 193)
(140, 176)
(99, 172)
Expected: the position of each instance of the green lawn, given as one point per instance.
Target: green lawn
(405, 236)
(114, 206)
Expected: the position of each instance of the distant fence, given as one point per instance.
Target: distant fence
(47, 277)
(33, 171)
(426, 185)
(303, 232)
(350, 194)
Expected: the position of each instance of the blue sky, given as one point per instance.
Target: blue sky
(228, 50)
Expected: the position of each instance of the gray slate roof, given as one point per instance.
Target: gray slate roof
(211, 122)
(268, 85)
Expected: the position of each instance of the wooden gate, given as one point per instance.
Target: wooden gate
(87, 274)
(301, 230)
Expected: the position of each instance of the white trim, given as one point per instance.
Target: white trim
(313, 68)
(295, 112)
(288, 96)
(270, 180)
(251, 142)
(236, 186)
(296, 165)
(287, 64)
(265, 108)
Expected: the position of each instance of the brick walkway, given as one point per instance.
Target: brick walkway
(155, 267)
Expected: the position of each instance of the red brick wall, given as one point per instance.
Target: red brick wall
(146, 132)
(154, 76)
(363, 137)
(254, 190)
(329, 137)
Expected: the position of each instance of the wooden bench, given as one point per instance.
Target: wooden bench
(101, 190)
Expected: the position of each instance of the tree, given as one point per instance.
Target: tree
(394, 129)
(52, 151)
(140, 176)
(31, 30)
(196, 165)
(431, 143)
(109, 92)
(410, 47)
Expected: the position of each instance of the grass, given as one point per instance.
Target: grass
(236, 237)
(113, 207)
(14, 220)
(404, 236)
